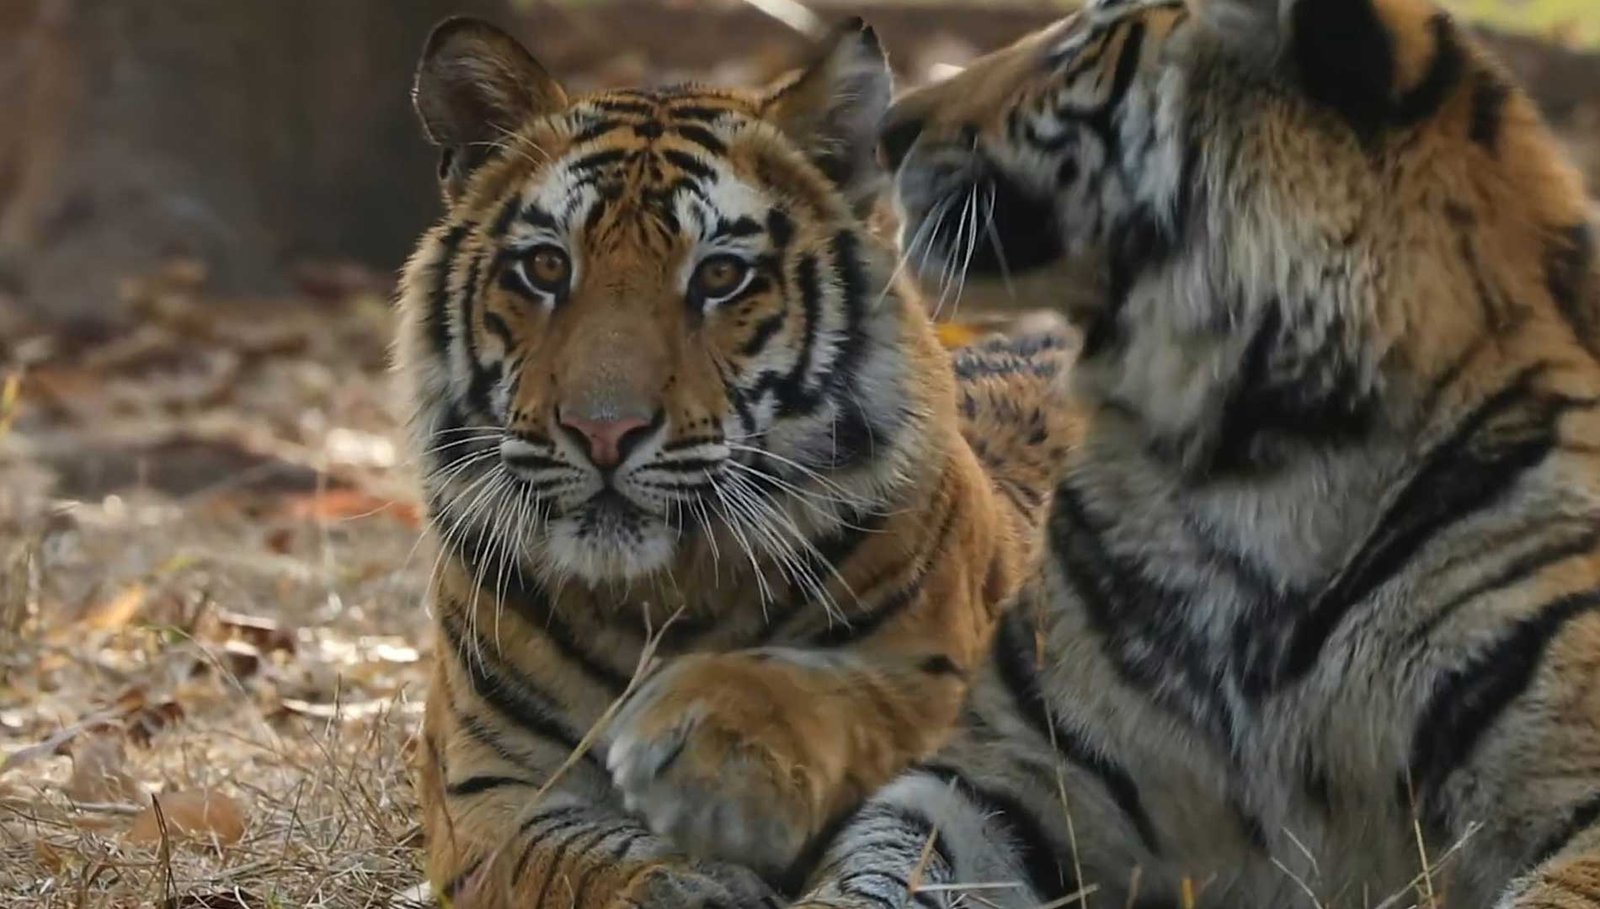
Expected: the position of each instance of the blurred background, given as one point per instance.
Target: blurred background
(270, 139)
(210, 572)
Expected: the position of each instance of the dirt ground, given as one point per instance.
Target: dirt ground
(210, 592)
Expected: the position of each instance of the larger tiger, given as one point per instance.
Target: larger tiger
(1320, 622)
(669, 405)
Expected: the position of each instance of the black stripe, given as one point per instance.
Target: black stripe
(1141, 620)
(842, 634)
(511, 693)
(527, 598)
(479, 731)
(792, 395)
(700, 136)
(474, 785)
(1049, 876)
(1469, 471)
(1468, 700)
(625, 107)
(481, 378)
(1582, 817)
(1014, 662)
(1569, 266)
(1491, 299)
(618, 851)
(557, 859)
(831, 551)
(1489, 94)
(1279, 395)
(1515, 571)
(851, 273)
(689, 164)
(699, 112)
(598, 160)
(940, 664)
(452, 887)
(742, 226)
(437, 320)
(762, 335)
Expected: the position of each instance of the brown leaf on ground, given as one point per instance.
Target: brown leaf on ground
(99, 771)
(197, 814)
(264, 634)
(349, 504)
(117, 612)
(146, 722)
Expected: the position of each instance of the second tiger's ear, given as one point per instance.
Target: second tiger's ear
(475, 85)
(1350, 55)
(833, 107)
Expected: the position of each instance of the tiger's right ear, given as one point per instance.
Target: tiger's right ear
(475, 86)
(1345, 54)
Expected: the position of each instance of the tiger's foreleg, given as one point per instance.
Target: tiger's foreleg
(513, 821)
(926, 840)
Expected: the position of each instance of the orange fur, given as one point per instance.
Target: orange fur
(781, 694)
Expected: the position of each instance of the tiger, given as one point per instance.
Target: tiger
(716, 557)
(1318, 620)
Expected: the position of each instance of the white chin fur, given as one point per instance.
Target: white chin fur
(607, 555)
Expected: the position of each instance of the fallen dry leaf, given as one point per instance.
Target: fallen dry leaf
(266, 635)
(99, 771)
(143, 724)
(359, 710)
(117, 612)
(196, 814)
(348, 505)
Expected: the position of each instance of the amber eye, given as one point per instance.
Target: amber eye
(718, 277)
(546, 269)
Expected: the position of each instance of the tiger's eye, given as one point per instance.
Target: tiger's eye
(718, 277)
(549, 268)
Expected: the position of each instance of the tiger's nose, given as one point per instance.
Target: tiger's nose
(609, 441)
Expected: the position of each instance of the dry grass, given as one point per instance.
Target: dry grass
(186, 562)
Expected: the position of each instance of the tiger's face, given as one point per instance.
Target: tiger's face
(651, 314)
(1262, 214)
(1015, 168)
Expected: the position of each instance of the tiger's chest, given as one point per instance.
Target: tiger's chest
(1248, 693)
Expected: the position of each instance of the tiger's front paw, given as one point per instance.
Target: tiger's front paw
(711, 887)
(721, 754)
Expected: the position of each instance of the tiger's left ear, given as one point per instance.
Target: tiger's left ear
(1346, 54)
(832, 110)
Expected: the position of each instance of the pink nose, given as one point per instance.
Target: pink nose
(609, 440)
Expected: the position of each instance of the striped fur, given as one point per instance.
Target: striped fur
(1322, 604)
(798, 531)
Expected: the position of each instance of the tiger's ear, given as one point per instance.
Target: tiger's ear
(1339, 52)
(475, 85)
(832, 109)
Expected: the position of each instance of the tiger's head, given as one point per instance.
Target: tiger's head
(653, 316)
(1276, 222)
